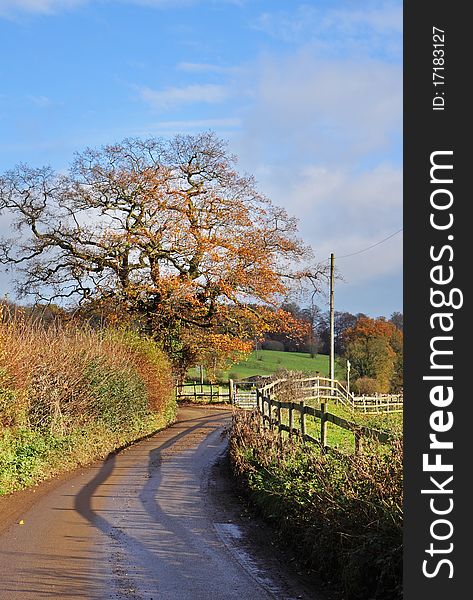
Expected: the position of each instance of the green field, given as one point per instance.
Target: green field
(267, 362)
(344, 440)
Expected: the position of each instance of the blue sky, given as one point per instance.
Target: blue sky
(309, 96)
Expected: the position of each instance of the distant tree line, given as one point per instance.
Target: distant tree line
(317, 337)
(373, 346)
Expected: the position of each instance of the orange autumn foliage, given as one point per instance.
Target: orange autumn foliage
(374, 348)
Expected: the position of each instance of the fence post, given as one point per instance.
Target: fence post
(358, 444)
(291, 418)
(270, 410)
(195, 393)
(302, 405)
(279, 415)
(323, 427)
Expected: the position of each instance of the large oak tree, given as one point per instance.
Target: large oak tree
(164, 229)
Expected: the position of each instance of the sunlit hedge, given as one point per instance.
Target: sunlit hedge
(68, 395)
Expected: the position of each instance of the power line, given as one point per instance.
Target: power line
(373, 245)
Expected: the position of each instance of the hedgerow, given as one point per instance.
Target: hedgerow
(69, 395)
(342, 514)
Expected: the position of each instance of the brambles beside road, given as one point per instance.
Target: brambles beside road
(342, 513)
(69, 395)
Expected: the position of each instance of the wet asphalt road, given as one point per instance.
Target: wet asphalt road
(141, 525)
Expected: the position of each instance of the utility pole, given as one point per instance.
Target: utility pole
(332, 321)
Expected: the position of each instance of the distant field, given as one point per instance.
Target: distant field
(267, 362)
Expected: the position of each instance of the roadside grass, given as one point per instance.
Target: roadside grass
(28, 456)
(69, 396)
(268, 362)
(340, 513)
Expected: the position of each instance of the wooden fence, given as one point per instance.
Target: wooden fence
(203, 392)
(323, 389)
(280, 414)
(239, 393)
(378, 403)
(271, 412)
(308, 389)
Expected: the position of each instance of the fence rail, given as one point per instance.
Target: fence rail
(323, 389)
(271, 410)
(200, 392)
(239, 393)
(318, 389)
(290, 416)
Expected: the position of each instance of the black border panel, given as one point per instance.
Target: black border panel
(446, 131)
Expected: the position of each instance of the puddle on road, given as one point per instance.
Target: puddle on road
(232, 535)
(230, 529)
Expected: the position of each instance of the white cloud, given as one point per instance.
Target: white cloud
(177, 3)
(327, 130)
(323, 139)
(188, 126)
(374, 28)
(328, 110)
(358, 194)
(161, 3)
(206, 68)
(171, 97)
(383, 260)
(383, 18)
(9, 7)
(343, 212)
(40, 101)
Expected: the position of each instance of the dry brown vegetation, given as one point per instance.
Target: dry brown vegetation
(61, 383)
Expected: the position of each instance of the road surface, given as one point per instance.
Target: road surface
(153, 522)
